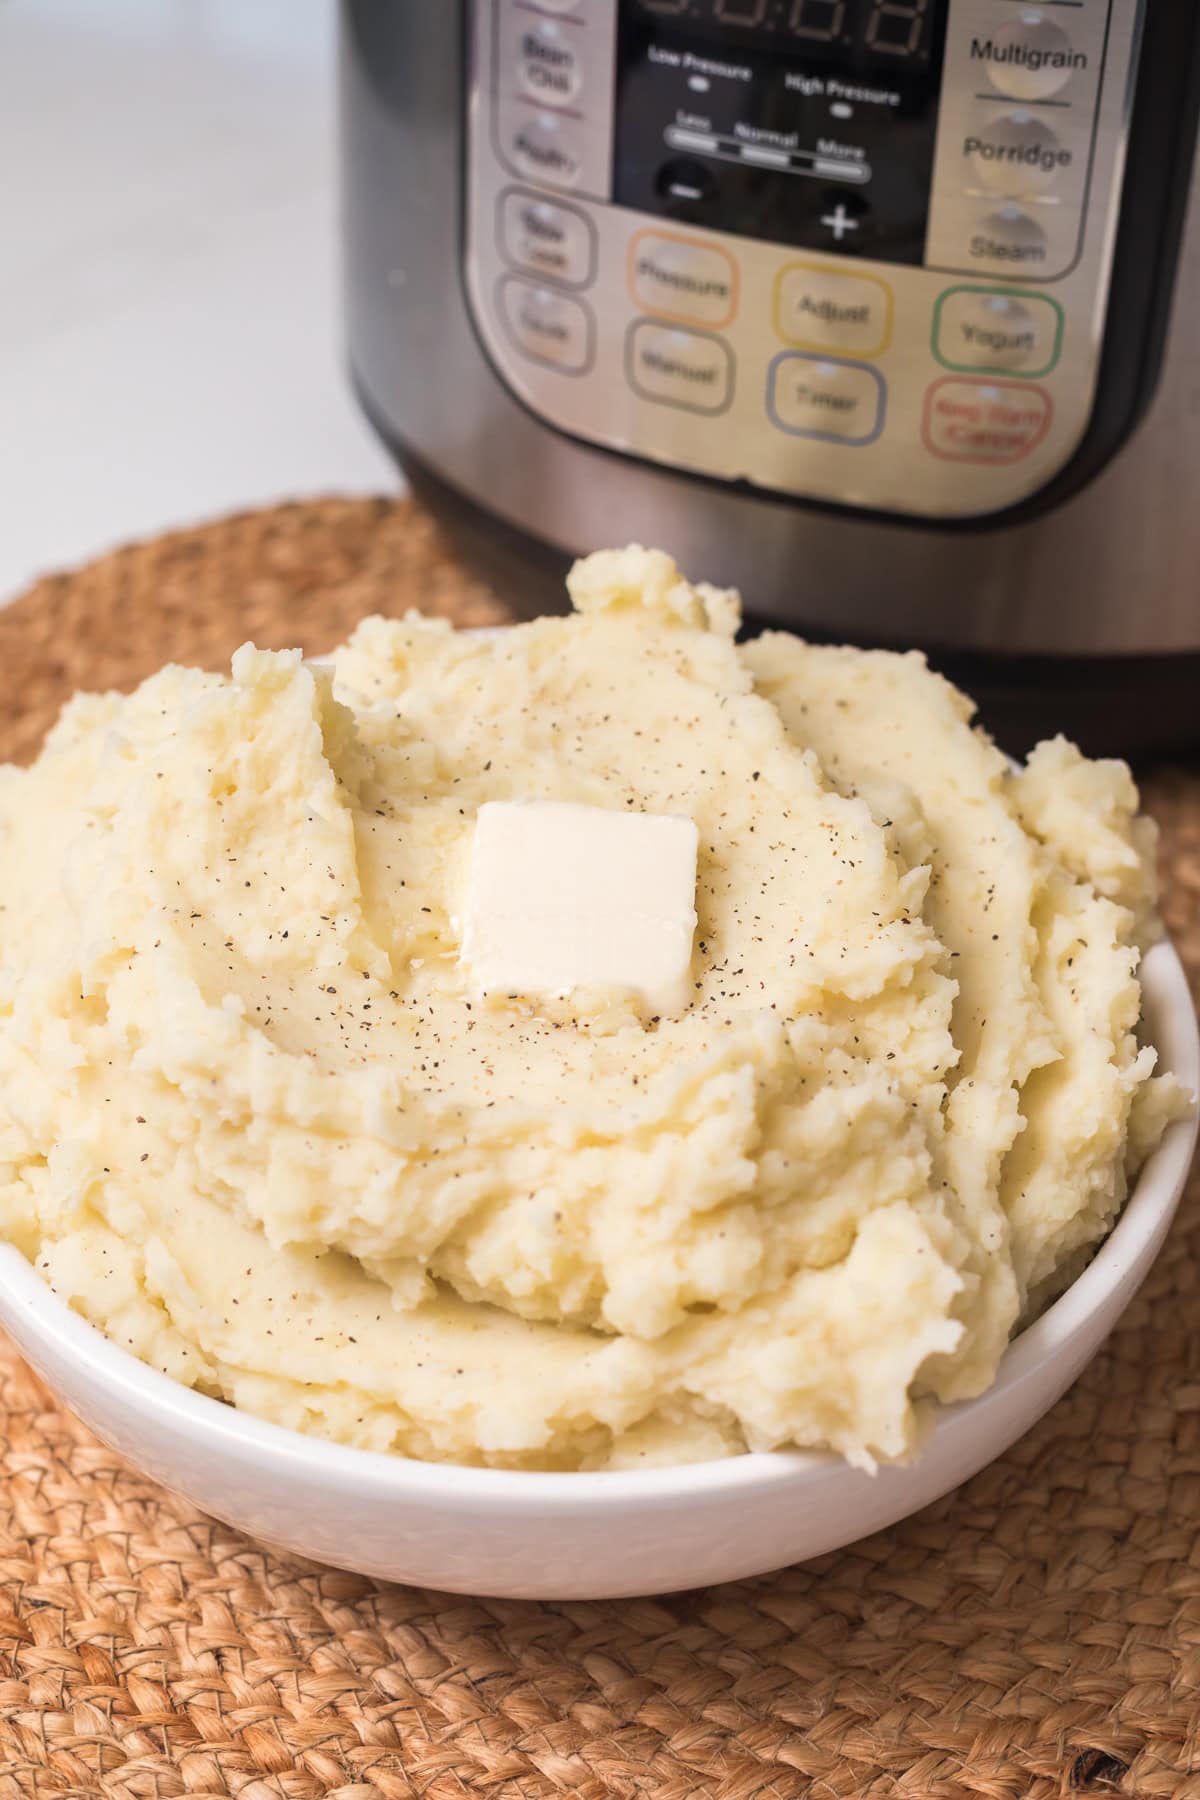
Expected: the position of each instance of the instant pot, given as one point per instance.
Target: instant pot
(883, 311)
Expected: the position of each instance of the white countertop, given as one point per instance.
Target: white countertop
(170, 345)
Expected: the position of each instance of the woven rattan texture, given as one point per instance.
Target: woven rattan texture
(1036, 1634)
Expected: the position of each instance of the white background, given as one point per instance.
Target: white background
(170, 341)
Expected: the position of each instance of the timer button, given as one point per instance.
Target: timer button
(545, 326)
(1031, 57)
(995, 330)
(682, 278)
(1016, 155)
(691, 370)
(548, 63)
(827, 398)
(546, 148)
(547, 238)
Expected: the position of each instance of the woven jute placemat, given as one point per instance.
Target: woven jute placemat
(1036, 1634)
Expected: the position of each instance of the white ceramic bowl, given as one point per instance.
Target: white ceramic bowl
(587, 1536)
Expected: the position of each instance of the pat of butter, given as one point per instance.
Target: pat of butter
(562, 897)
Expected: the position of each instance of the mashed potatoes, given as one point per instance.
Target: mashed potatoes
(254, 1125)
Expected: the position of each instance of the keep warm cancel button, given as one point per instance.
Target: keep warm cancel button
(985, 421)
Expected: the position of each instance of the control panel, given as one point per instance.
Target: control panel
(854, 251)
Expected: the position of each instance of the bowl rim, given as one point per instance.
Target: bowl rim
(1124, 1253)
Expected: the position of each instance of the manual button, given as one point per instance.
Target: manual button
(820, 308)
(547, 327)
(688, 369)
(997, 329)
(827, 398)
(682, 278)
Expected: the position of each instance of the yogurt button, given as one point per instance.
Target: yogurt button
(545, 326)
(545, 237)
(546, 148)
(1031, 57)
(823, 397)
(1017, 154)
(980, 328)
(688, 369)
(548, 62)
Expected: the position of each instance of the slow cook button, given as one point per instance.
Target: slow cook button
(545, 237)
(818, 308)
(548, 62)
(985, 421)
(1016, 155)
(545, 148)
(548, 327)
(688, 369)
(682, 278)
(826, 397)
(997, 329)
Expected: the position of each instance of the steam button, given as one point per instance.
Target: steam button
(1008, 239)
(549, 62)
(1017, 154)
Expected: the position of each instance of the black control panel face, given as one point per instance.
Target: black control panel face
(810, 123)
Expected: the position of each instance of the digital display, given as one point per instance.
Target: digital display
(891, 33)
(803, 122)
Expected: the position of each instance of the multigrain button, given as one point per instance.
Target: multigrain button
(682, 278)
(827, 398)
(548, 327)
(546, 148)
(819, 308)
(1017, 154)
(1030, 58)
(1008, 239)
(688, 369)
(547, 238)
(997, 329)
(548, 62)
(986, 422)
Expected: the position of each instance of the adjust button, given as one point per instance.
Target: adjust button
(546, 148)
(826, 397)
(548, 62)
(1017, 154)
(688, 369)
(547, 238)
(819, 308)
(997, 330)
(985, 421)
(1031, 57)
(682, 278)
(547, 327)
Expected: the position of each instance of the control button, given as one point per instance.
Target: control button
(684, 182)
(688, 369)
(820, 308)
(547, 238)
(826, 397)
(548, 62)
(1017, 154)
(997, 329)
(985, 421)
(546, 148)
(1008, 238)
(1031, 57)
(682, 278)
(548, 327)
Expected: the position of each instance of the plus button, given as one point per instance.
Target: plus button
(839, 222)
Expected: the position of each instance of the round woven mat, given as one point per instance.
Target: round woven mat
(1036, 1634)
